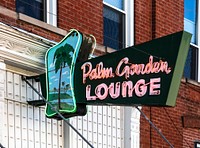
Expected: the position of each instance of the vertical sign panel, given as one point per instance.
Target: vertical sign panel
(60, 61)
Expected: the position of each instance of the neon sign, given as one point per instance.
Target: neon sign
(145, 74)
(60, 62)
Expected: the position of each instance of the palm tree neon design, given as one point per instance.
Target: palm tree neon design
(61, 58)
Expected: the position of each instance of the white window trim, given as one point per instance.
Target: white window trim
(51, 15)
(129, 8)
(129, 20)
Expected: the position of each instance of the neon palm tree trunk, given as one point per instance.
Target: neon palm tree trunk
(59, 106)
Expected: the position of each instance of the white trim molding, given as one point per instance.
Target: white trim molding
(2, 96)
(129, 18)
(22, 49)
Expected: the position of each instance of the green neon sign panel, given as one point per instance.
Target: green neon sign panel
(60, 63)
(146, 74)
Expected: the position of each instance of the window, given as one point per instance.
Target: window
(197, 144)
(190, 18)
(44, 10)
(116, 24)
(191, 64)
(191, 70)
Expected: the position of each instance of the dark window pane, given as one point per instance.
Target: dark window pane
(33, 8)
(113, 28)
(190, 10)
(191, 65)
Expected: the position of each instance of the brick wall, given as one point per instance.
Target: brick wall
(169, 120)
(156, 18)
(167, 17)
(143, 20)
(10, 4)
(153, 19)
(85, 16)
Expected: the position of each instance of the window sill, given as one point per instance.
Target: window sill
(25, 18)
(190, 81)
(41, 24)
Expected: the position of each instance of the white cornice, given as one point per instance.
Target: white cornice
(23, 49)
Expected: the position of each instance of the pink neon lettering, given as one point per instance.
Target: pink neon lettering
(127, 85)
(114, 92)
(97, 73)
(126, 89)
(154, 84)
(101, 88)
(124, 68)
(88, 92)
(86, 74)
(140, 88)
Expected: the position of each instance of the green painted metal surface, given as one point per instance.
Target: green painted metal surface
(146, 74)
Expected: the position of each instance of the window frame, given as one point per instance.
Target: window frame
(194, 61)
(196, 144)
(196, 44)
(46, 12)
(128, 12)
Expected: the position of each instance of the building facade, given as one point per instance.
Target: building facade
(28, 28)
(180, 124)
